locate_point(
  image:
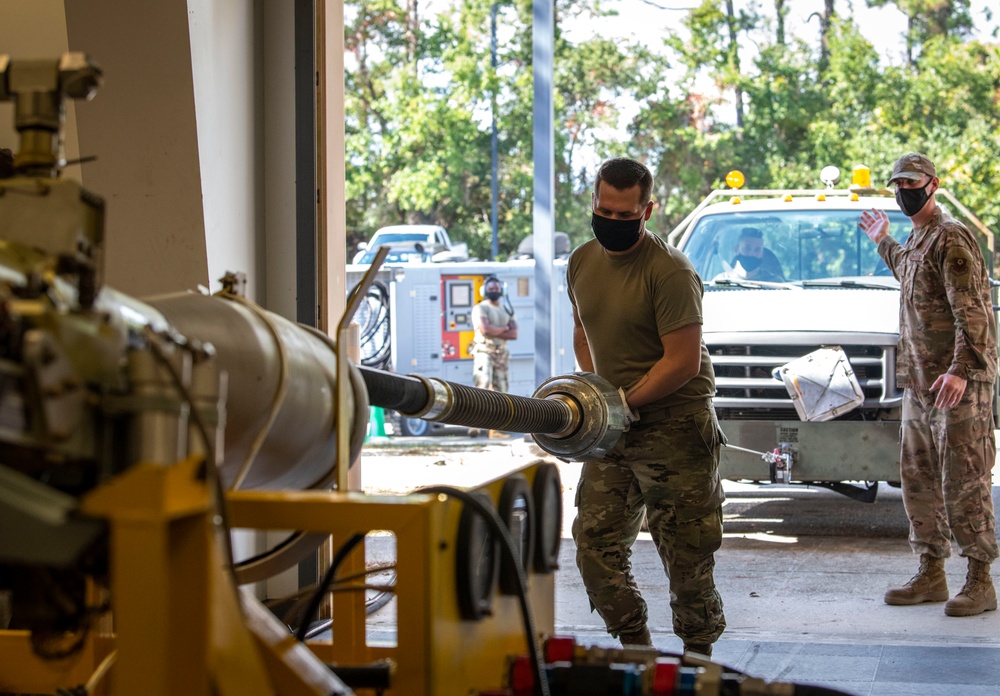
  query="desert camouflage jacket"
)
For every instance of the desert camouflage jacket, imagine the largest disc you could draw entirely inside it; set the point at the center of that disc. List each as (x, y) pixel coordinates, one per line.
(946, 320)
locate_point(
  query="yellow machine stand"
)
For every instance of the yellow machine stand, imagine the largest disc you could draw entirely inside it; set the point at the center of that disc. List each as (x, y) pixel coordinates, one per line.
(181, 626)
(438, 653)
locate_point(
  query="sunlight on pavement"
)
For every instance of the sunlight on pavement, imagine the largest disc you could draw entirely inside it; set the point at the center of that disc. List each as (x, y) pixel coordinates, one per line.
(764, 536)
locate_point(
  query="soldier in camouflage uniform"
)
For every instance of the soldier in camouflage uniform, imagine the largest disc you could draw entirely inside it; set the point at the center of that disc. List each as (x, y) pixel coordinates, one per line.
(637, 313)
(946, 362)
(495, 326)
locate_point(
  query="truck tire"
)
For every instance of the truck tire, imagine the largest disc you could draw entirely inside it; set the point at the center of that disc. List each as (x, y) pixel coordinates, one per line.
(413, 427)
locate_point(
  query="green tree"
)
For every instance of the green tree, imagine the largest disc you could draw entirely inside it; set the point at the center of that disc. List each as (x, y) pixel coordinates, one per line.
(419, 100)
(420, 91)
(927, 19)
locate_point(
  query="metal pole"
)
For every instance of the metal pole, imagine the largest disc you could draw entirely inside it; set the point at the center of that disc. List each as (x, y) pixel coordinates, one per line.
(543, 42)
(494, 181)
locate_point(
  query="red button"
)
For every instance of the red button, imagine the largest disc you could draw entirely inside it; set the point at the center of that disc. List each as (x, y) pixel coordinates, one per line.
(560, 649)
(522, 676)
(665, 675)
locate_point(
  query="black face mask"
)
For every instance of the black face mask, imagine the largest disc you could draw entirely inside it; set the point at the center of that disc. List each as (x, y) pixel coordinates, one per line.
(493, 295)
(749, 263)
(616, 235)
(912, 201)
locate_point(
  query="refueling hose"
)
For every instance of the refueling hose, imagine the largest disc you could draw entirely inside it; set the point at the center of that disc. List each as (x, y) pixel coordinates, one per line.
(458, 404)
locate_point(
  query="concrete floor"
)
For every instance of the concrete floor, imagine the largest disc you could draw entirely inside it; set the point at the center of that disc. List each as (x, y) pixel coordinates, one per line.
(802, 572)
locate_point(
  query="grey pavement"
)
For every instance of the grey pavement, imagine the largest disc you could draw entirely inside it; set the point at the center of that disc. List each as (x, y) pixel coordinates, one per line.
(801, 571)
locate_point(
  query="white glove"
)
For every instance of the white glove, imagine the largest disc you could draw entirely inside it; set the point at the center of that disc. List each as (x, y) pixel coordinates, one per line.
(630, 415)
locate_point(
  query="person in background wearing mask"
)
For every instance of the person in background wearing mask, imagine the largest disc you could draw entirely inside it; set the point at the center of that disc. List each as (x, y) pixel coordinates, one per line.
(494, 326)
(637, 312)
(758, 262)
(946, 360)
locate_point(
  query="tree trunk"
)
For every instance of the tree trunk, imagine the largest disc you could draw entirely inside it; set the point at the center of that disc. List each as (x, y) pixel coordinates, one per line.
(734, 58)
(824, 35)
(412, 33)
(780, 10)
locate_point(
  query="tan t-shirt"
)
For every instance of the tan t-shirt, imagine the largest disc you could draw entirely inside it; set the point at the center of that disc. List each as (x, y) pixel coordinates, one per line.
(627, 302)
(496, 315)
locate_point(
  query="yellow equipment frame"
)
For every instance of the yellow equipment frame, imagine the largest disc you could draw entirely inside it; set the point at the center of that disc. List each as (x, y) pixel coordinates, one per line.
(182, 628)
(437, 652)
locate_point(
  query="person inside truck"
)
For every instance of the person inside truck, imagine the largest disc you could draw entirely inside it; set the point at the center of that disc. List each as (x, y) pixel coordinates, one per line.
(759, 262)
(947, 363)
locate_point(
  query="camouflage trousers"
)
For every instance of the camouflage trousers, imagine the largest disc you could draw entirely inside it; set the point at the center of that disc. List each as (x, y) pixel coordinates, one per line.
(945, 468)
(491, 368)
(670, 471)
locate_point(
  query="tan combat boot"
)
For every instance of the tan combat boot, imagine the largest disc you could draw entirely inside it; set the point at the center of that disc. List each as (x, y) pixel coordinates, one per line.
(928, 585)
(977, 596)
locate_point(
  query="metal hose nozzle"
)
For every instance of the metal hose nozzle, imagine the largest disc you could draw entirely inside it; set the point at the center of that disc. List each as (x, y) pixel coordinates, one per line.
(577, 416)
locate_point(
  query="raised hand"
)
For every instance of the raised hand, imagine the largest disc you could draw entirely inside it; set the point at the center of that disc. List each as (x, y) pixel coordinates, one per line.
(874, 223)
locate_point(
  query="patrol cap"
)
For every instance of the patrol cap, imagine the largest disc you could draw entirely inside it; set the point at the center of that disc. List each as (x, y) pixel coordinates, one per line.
(913, 166)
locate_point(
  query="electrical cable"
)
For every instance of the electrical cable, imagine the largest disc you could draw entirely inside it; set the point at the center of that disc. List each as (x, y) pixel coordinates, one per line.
(95, 678)
(101, 671)
(280, 392)
(298, 599)
(372, 606)
(372, 316)
(507, 305)
(492, 519)
(211, 472)
(325, 583)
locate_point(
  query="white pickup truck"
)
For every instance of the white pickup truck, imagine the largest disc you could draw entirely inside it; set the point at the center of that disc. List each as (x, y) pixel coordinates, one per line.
(825, 286)
(412, 244)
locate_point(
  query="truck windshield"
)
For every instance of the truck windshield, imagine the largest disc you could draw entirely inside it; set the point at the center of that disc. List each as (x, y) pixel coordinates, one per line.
(798, 245)
(405, 255)
(396, 237)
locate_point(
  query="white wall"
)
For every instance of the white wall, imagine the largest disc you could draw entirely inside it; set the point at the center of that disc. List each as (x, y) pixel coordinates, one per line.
(227, 93)
(279, 156)
(141, 125)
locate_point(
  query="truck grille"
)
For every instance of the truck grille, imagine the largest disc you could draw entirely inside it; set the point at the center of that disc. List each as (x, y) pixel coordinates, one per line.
(746, 389)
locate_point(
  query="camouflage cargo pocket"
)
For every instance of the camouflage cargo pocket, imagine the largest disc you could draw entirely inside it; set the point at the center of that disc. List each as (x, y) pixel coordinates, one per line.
(967, 431)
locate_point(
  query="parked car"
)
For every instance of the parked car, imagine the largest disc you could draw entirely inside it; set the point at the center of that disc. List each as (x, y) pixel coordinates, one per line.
(412, 244)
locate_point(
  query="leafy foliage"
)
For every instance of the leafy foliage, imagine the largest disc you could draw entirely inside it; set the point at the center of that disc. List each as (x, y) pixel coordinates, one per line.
(728, 89)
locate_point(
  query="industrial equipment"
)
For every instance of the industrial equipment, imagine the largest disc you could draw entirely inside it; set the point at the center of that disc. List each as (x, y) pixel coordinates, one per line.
(417, 317)
(135, 435)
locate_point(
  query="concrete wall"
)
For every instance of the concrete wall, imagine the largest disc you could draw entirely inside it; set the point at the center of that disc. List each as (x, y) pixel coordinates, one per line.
(193, 130)
(225, 35)
(142, 127)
